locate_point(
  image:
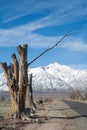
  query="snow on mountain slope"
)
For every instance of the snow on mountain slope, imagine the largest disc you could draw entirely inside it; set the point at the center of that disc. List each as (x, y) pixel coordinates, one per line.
(54, 76)
(3, 85)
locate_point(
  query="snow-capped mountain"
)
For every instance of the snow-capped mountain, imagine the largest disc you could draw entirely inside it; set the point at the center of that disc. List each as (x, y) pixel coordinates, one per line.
(54, 76)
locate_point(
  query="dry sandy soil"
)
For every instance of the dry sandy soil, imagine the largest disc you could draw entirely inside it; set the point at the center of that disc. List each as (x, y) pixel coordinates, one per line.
(52, 113)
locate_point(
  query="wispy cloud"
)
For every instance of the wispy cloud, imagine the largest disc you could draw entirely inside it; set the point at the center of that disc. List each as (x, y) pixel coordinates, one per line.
(61, 13)
(79, 66)
(24, 34)
(75, 44)
(17, 9)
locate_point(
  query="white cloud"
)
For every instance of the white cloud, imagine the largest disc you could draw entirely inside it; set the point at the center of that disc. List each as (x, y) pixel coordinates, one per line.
(79, 66)
(24, 34)
(75, 44)
(63, 12)
(21, 35)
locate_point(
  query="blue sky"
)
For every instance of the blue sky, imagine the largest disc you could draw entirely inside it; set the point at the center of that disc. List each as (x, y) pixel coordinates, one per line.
(40, 24)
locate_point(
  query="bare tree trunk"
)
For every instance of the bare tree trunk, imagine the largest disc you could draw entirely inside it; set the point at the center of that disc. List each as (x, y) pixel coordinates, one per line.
(29, 95)
(10, 83)
(18, 86)
(22, 51)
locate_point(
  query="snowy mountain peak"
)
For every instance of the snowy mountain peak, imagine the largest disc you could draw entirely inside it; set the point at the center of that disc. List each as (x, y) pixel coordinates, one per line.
(54, 76)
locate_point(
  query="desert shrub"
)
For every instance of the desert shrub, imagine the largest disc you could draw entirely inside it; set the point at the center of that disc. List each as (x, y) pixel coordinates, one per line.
(76, 95)
(2, 98)
(85, 95)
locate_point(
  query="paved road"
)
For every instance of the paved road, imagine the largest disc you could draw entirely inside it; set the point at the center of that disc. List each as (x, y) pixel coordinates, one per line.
(81, 108)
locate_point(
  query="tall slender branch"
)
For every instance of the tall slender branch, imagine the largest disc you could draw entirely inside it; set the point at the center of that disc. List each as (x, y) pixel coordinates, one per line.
(68, 33)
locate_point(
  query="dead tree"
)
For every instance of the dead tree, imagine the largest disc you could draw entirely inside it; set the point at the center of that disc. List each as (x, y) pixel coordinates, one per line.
(17, 79)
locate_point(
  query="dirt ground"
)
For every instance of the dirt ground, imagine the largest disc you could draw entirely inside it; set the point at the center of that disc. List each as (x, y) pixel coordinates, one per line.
(51, 114)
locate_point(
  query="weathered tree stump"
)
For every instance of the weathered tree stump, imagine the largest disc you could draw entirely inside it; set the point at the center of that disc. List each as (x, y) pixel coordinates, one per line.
(17, 81)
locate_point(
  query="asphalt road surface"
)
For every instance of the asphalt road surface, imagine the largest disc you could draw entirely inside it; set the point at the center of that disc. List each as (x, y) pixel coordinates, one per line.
(81, 108)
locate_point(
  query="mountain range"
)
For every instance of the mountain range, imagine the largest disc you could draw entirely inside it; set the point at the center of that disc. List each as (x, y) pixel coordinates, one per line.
(54, 77)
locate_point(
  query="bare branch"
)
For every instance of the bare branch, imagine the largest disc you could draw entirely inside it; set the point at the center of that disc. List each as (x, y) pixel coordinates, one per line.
(68, 33)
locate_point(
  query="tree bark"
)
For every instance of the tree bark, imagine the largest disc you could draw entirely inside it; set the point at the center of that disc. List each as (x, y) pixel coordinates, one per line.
(29, 95)
(22, 51)
(15, 71)
(10, 83)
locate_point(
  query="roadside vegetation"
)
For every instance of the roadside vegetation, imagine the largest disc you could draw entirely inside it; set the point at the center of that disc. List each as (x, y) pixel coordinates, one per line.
(76, 94)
